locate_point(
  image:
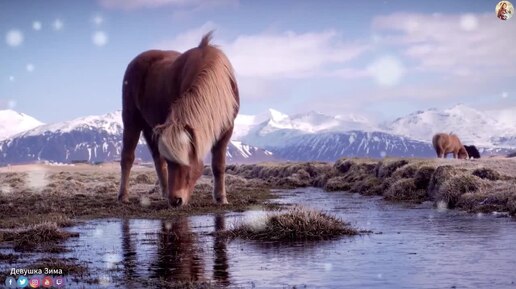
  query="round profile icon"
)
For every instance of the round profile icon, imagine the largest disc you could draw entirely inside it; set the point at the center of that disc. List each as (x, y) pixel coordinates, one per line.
(504, 10)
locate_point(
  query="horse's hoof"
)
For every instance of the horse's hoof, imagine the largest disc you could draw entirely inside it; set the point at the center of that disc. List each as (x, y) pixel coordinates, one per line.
(223, 201)
(175, 202)
(123, 199)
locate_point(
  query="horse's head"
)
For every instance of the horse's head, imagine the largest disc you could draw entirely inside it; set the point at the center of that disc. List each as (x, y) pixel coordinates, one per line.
(463, 153)
(177, 145)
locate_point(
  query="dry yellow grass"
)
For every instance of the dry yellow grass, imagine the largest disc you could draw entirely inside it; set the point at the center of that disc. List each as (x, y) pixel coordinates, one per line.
(296, 224)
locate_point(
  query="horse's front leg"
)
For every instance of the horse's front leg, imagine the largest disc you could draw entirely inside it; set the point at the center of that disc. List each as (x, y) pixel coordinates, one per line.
(131, 135)
(218, 167)
(159, 162)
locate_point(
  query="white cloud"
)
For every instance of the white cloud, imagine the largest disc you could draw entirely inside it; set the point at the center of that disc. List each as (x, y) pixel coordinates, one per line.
(272, 55)
(458, 44)
(188, 39)
(136, 4)
(36, 25)
(14, 38)
(99, 38)
(262, 61)
(289, 54)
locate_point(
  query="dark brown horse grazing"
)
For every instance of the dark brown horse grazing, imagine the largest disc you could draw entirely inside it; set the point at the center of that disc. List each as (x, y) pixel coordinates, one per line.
(185, 104)
(449, 143)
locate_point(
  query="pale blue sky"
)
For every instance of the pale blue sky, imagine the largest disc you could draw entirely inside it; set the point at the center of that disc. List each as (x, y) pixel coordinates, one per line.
(381, 59)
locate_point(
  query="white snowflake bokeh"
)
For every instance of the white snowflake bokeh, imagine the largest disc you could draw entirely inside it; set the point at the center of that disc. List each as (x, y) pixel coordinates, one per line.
(111, 260)
(58, 24)
(505, 94)
(36, 179)
(98, 20)
(256, 219)
(99, 38)
(11, 103)
(11, 78)
(442, 206)
(468, 22)
(36, 25)
(387, 71)
(145, 201)
(14, 38)
(30, 67)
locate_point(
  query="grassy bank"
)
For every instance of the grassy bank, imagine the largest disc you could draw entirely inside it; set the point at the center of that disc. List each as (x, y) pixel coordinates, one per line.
(472, 185)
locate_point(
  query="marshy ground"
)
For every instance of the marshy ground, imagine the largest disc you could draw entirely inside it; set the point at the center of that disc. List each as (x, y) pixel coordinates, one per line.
(39, 202)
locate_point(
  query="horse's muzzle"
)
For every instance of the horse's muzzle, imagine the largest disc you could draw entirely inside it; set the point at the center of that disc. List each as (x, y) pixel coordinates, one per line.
(175, 202)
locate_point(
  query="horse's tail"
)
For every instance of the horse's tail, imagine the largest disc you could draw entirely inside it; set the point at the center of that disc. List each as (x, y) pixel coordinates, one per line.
(204, 111)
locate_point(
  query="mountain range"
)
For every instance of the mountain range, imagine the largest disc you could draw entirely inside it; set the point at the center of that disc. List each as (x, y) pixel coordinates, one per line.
(270, 136)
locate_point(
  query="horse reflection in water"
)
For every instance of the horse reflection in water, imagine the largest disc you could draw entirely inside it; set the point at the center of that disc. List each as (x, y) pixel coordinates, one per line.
(220, 264)
(129, 259)
(179, 254)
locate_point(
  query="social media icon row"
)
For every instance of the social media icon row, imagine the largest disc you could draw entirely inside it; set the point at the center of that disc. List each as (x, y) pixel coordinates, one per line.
(35, 282)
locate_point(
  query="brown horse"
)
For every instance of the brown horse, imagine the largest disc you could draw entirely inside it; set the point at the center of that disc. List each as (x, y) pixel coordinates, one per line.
(449, 143)
(185, 104)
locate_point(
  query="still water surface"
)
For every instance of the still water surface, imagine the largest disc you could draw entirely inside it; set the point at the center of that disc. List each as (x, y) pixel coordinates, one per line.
(412, 246)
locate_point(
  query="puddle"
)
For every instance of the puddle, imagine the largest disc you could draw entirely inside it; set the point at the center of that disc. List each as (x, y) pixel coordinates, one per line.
(411, 247)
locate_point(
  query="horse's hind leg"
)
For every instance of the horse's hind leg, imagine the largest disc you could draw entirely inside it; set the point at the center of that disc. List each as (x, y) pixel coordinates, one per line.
(218, 166)
(159, 162)
(130, 140)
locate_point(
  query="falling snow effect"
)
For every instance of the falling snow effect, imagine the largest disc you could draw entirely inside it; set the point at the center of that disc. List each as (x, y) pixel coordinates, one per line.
(36, 25)
(11, 104)
(387, 71)
(505, 94)
(98, 232)
(5, 189)
(256, 219)
(14, 38)
(11, 78)
(111, 260)
(145, 201)
(105, 280)
(99, 38)
(442, 206)
(98, 20)
(36, 179)
(30, 67)
(58, 24)
(168, 226)
(468, 22)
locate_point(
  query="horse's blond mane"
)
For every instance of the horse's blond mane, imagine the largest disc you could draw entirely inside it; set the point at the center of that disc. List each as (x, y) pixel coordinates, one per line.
(203, 112)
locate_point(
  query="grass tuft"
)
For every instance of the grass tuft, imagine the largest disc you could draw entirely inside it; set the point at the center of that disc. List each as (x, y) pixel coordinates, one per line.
(297, 224)
(485, 173)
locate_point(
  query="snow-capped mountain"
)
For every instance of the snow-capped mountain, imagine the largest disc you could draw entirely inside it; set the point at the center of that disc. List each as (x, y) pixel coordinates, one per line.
(93, 139)
(12, 122)
(275, 128)
(330, 146)
(277, 136)
(315, 136)
(489, 129)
